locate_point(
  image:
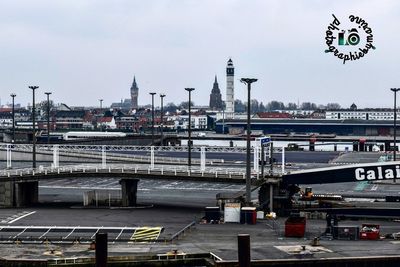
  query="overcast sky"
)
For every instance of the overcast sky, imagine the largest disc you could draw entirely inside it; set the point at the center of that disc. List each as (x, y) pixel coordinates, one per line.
(85, 50)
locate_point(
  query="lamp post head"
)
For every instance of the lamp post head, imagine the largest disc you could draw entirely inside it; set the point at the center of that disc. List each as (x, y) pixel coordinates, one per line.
(395, 89)
(248, 80)
(162, 95)
(152, 94)
(13, 95)
(33, 87)
(47, 93)
(189, 89)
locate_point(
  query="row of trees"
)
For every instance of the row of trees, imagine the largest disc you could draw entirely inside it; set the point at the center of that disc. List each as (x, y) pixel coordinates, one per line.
(276, 105)
(261, 107)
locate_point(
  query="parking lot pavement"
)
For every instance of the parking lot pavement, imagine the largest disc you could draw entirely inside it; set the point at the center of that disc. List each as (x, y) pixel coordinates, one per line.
(267, 237)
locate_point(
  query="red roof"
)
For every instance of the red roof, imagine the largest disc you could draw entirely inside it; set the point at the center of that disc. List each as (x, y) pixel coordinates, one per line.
(105, 119)
(273, 115)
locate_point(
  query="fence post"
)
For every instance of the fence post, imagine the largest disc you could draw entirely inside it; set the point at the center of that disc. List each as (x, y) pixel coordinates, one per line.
(103, 157)
(56, 159)
(152, 157)
(8, 156)
(203, 159)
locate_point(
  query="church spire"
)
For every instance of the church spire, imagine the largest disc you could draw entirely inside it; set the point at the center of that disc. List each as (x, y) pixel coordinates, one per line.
(215, 96)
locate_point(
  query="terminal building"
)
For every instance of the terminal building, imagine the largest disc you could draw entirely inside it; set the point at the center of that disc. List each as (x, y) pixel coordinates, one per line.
(308, 126)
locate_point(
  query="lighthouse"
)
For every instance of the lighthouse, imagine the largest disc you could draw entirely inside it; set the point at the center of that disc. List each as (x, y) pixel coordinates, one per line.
(230, 93)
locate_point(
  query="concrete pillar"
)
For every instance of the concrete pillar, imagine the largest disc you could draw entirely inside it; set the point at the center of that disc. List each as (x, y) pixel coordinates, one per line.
(7, 192)
(26, 193)
(244, 250)
(129, 192)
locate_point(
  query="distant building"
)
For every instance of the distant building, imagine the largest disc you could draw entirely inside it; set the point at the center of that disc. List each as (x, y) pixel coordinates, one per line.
(125, 104)
(215, 97)
(361, 114)
(230, 92)
(134, 94)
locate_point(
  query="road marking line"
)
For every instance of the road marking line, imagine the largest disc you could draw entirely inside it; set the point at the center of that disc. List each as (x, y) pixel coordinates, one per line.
(374, 187)
(22, 216)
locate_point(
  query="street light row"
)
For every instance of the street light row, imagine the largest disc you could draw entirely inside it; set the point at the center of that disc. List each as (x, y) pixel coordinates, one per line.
(13, 95)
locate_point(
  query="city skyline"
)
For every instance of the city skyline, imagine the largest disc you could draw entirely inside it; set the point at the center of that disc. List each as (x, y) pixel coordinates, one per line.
(84, 51)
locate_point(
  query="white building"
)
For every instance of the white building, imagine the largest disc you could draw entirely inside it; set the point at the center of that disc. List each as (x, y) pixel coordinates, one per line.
(381, 114)
(182, 121)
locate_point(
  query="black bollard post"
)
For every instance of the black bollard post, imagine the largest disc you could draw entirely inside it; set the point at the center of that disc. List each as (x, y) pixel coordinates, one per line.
(244, 250)
(101, 250)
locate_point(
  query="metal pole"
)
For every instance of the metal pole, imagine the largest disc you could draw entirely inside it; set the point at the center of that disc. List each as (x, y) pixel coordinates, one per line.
(248, 81)
(162, 119)
(262, 161)
(34, 127)
(152, 118)
(283, 160)
(248, 174)
(394, 130)
(271, 197)
(13, 117)
(48, 116)
(394, 125)
(271, 158)
(190, 129)
(223, 121)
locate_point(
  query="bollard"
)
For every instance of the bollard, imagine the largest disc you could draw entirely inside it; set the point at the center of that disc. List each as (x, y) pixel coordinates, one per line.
(244, 250)
(101, 249)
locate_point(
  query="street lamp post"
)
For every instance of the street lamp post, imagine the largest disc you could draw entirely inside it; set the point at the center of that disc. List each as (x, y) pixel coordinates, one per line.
(162, 118)
(101, 103)
(190, 128)
(152, 118)
(33, 88)
(13, 117)
(248, 81)
(48, 116)
(395, 90)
